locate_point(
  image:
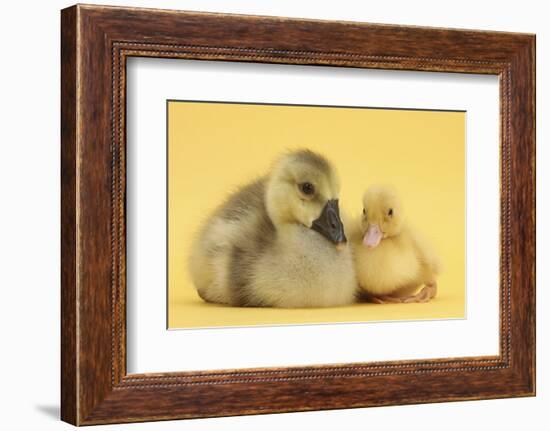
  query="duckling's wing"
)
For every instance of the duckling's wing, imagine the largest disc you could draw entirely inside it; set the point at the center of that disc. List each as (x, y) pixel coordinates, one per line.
(426, 252)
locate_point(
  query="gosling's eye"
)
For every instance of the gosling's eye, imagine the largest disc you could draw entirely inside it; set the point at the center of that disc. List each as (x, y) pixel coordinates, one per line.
(307, 189)
(390, 212)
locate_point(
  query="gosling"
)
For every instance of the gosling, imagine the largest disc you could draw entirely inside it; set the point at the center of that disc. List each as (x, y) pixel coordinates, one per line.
(278, 241)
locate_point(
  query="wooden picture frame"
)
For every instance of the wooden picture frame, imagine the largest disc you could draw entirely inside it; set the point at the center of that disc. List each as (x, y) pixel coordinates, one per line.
(95, 43)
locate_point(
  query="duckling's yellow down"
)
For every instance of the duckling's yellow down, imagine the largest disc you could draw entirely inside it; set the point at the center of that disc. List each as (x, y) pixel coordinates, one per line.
(391, 257)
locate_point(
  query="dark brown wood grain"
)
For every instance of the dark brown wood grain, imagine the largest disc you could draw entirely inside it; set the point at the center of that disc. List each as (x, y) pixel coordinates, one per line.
(68, 217)
(96, 41)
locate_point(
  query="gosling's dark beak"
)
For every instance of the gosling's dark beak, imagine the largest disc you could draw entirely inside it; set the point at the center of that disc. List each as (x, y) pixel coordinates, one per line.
(329, 223)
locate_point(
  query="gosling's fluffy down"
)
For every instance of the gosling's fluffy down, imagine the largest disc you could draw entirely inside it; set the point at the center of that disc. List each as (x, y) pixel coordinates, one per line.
(392, 260)
(258, 248)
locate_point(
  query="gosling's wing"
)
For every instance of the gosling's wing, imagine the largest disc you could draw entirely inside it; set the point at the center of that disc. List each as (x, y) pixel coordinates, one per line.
(252, 232)
(246, 200)
(234, 221)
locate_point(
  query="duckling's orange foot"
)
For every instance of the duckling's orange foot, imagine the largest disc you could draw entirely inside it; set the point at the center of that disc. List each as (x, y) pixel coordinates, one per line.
(385, 299)
(426, 294)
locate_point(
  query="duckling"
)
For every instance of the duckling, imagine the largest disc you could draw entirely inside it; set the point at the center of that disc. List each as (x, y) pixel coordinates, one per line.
(278, 241)
(391, 260)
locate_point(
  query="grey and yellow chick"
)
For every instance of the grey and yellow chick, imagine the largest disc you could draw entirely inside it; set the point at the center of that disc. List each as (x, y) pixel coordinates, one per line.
(393, 262)
(278, 241)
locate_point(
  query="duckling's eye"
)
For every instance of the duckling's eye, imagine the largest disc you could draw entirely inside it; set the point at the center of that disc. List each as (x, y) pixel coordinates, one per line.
(364, 211)
(307, 188)
(390, 212)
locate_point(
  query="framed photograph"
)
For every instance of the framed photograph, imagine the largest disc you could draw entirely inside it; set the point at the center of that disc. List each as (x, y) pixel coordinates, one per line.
(264, 214)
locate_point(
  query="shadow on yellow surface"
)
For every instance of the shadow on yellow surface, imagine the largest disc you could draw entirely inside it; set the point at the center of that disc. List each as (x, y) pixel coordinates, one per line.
(190, 311)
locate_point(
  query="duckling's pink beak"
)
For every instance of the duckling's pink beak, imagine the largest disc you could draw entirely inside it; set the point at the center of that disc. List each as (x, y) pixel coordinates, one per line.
(373, 236)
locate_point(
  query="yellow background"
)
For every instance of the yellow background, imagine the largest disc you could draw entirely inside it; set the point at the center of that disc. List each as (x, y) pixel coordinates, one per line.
(214, 147)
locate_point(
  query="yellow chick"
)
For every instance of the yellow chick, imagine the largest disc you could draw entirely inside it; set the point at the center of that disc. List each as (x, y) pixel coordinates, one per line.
(392, 261)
